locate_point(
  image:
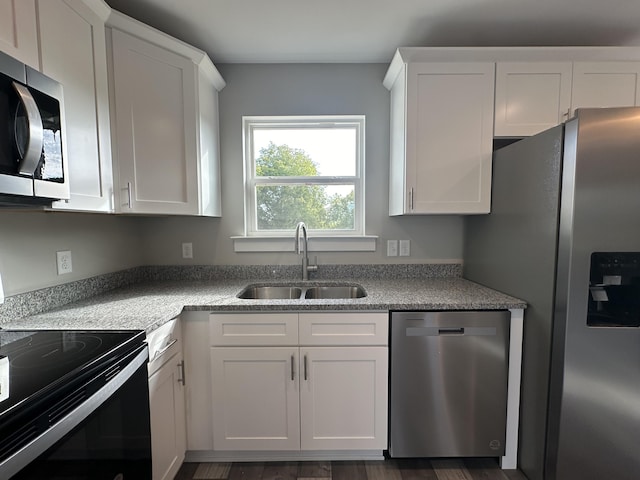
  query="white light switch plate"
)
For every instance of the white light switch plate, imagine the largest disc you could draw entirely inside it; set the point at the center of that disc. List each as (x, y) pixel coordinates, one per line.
(405, 248)
(392, 248)
(187, 250)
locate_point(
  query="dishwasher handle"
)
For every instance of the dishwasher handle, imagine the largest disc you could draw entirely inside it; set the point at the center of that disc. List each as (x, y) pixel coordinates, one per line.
(450, 331)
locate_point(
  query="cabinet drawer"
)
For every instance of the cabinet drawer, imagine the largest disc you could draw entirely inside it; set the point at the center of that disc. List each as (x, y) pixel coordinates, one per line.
(344, 328)
(254, 329)
(164, 342)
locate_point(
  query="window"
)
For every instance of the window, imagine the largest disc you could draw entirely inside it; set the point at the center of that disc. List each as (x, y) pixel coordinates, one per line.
(307, 169)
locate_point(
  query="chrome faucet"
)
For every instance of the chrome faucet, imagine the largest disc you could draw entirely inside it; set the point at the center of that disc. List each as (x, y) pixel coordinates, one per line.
(306, 268)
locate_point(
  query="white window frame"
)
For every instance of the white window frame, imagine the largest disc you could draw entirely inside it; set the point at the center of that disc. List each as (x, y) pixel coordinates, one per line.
(251, 123)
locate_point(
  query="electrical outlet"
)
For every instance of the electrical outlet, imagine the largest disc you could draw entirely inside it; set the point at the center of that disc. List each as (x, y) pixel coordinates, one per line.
(64, 262)
(405, 248)
(392, 248)
(187, 250)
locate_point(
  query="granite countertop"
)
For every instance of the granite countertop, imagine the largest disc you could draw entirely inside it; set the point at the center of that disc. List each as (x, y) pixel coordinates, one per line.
(146, 306)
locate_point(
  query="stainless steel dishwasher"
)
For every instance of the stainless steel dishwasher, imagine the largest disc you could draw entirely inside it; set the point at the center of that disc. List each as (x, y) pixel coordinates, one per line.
(448, 383)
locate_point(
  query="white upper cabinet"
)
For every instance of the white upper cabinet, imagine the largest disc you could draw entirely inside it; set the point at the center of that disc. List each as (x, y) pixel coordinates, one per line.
(533, 94)
(164, 122)
(605, 84)
(18, 30)
(73, 51)
(441, 136)
(531, 97)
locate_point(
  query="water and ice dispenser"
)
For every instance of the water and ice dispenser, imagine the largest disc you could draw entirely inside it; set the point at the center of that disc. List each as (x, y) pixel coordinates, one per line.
(614, 290)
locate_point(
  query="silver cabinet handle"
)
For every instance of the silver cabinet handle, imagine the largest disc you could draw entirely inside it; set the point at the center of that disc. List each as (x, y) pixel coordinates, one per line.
(305, 367)
(129, 194)
(182, 378)
(164, 349)
(33, 152)
(293, 372)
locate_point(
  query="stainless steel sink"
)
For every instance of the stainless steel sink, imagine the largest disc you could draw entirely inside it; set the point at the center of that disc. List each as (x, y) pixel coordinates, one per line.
(336, 291)
(293, 292)
(270, 292)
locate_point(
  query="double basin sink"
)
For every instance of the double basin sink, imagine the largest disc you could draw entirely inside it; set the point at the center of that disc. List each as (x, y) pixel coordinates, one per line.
(299, 292)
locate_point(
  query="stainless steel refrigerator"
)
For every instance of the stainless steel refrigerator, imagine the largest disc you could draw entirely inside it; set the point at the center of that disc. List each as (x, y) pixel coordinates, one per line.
(564, 235)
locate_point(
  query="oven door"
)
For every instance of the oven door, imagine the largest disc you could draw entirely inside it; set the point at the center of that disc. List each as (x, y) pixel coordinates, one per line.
(106, 438)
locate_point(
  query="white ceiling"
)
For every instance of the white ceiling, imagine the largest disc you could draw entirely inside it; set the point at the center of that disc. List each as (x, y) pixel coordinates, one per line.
(355, 31)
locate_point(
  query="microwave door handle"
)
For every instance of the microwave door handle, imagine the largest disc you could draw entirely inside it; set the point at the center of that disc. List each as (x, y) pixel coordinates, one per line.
(33, 152)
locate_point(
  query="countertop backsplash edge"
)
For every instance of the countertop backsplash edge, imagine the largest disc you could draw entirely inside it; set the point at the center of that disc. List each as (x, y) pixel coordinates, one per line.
(44, 299)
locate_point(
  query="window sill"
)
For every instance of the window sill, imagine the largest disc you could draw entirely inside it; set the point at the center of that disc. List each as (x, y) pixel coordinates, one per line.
(360, 243)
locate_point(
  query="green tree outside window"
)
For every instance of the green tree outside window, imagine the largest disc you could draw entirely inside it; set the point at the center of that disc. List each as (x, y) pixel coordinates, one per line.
(281, 206)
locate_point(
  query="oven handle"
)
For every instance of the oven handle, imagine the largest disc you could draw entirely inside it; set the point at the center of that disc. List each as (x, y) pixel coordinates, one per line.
(31, 156)
(42, 443)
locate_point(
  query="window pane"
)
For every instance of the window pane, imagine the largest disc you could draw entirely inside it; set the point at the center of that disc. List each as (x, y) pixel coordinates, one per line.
(321, 207)
(305, 151)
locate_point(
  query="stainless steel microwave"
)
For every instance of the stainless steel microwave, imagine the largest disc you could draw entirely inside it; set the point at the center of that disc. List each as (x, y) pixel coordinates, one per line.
(33, 169)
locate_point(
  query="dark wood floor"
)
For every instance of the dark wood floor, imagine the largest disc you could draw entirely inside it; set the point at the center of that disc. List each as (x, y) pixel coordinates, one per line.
(390, 469)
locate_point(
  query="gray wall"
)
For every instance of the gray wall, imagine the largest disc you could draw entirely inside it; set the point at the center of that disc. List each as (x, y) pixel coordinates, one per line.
(29, 242)
(302, 89)
(108, 243)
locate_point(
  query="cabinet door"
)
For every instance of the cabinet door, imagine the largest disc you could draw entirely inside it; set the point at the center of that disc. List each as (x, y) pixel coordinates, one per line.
(605, 84)
(531, 97)
(155, 124)
(449, 137)
(166, 403)
(72, 44)
(195, 329)
(18, 30)
(255, 398)
(343, 398)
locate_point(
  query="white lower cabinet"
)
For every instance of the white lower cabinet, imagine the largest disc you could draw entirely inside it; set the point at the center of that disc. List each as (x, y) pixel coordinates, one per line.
(255, 398)
(166, 401)
(342, 398)
(302, 396)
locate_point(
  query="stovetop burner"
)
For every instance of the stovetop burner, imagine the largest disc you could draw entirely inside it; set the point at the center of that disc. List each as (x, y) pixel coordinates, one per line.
(54, 353)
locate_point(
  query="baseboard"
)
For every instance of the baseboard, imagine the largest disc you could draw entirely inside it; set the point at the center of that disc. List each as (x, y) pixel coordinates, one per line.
(200, 456)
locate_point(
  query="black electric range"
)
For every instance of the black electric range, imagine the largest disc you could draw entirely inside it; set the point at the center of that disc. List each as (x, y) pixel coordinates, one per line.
(40, 362)
(45, 375)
